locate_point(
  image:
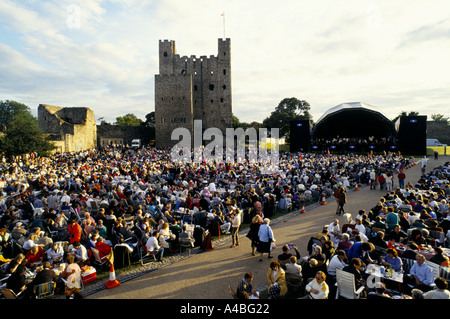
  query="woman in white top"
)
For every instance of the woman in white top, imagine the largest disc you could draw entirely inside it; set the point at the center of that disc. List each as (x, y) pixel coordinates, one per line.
(153, 246)
(72, 276)
(318, 288)
(165, 236)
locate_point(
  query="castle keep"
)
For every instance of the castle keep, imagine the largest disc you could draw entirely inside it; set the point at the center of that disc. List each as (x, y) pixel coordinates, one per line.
(191, 88)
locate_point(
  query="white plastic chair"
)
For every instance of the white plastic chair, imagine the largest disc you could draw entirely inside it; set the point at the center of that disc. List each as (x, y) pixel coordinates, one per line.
(345, 283)
(436, 268)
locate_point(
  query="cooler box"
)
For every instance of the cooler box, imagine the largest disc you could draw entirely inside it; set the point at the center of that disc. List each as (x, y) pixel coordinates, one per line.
(89, 274)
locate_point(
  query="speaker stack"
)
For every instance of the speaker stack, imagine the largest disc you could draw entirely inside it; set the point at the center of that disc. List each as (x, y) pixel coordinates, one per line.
(412, 134)
(300, 136)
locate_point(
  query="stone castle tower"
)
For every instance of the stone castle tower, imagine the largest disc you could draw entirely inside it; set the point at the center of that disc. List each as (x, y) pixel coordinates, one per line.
(191, 88)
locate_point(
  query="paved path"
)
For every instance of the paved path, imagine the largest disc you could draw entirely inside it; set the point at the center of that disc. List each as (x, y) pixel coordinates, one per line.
(207, 275)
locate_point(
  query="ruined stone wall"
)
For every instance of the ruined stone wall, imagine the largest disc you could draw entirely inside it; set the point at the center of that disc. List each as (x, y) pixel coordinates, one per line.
(74, 129)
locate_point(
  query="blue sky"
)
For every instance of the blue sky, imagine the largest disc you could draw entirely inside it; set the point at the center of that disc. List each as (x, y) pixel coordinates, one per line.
(104, 54)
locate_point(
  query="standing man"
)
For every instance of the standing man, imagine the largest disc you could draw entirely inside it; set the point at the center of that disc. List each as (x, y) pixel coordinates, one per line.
(424, 163)
(235, 223)
(373, 179)
(342, 200)
(401, 179)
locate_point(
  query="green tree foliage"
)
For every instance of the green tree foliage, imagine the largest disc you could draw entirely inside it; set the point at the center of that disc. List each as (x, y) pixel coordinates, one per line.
(150, 118)
(128, 120)
(237, 123)
(288, 109)
(20, 130)
(440, 118)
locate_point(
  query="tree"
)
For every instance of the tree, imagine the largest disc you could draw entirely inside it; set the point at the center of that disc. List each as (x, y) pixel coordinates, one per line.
(9, 110)
(150, 118)
(235, 123)
(288, 109)
(128, 120)
(440, 118)
(21, 132)
(404, 113)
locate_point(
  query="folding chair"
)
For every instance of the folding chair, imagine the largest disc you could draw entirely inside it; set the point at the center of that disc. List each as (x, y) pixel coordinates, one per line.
(438, 236)
(407, 264)
(94, 207)
(145, 255)
(186, 243)
(436, 268)
(9, 294)
(294, 282)
(445, 273)
(232, 293)
(45, 290)
(345, 283)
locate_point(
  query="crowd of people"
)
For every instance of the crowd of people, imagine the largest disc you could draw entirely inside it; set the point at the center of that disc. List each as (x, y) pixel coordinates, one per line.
(355, 144)
(91, 202)
(406, 232)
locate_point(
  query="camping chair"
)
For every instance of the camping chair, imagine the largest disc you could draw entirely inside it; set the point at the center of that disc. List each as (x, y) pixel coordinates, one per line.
(186, 243)
(445, 273)
(345, 283)
(232, 293)
(45, 290)
(436, 268)
(94, 207)
(438, 236)
(53, 233)
(294, 282)
(145, 255)
(311, 242)
(9, 294)
(407, 264)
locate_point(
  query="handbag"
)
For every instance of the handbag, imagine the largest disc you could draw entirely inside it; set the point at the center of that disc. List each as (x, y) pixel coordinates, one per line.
(272, 243)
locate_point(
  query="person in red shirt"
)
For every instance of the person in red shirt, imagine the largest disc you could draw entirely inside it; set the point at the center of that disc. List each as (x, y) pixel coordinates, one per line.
(103, 248)
(74, 230)
(34, 256)
(401, 179)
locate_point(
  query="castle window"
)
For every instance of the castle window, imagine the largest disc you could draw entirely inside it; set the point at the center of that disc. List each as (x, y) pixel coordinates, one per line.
(221, 99)
(224, 87)
(224, 71)
(212, 72)
(211, 87)
(183, 72)
(165, 53)
(195, 87)
(212, 101)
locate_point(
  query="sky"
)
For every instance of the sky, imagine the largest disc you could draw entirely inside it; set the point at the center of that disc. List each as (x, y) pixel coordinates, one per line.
(103, 54)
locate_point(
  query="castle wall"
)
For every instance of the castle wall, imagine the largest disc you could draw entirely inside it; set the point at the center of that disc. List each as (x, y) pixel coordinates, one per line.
(210, 85)
(175, 109)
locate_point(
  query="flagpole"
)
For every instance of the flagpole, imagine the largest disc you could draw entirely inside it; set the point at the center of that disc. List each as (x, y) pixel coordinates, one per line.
(223, 15)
